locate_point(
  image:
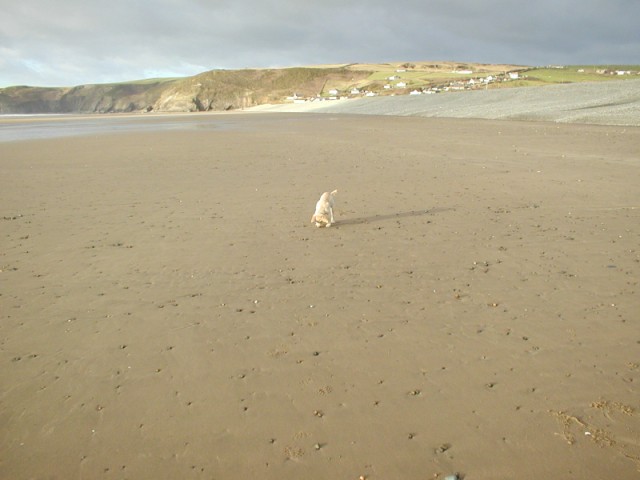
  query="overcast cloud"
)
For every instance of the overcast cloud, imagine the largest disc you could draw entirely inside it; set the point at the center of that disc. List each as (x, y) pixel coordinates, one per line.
(72, 42)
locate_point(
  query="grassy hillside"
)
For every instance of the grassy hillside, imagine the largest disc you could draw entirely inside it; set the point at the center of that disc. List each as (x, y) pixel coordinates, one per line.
(213, 90)
(233, 89)
(576, 74)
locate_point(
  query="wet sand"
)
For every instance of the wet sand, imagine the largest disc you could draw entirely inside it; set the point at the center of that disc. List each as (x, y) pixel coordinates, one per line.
(168, 311)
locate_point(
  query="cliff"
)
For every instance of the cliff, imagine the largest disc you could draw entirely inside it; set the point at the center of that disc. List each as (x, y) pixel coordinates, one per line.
(213, 90)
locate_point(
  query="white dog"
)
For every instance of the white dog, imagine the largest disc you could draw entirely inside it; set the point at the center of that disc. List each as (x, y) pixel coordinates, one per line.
(324, 210)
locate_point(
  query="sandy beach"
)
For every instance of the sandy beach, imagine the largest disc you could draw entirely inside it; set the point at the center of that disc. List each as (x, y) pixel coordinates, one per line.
(168, 311)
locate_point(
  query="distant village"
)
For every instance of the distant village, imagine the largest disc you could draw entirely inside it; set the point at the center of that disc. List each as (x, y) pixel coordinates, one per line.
(397, 85)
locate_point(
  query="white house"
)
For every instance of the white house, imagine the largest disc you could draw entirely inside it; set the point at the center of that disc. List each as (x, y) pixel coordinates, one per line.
(401, 85)
(514, 75)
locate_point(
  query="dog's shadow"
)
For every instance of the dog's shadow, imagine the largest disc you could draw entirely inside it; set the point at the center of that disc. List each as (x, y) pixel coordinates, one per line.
(389, 216)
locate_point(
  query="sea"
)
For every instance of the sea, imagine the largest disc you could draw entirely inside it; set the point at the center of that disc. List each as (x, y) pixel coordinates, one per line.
(36, 127)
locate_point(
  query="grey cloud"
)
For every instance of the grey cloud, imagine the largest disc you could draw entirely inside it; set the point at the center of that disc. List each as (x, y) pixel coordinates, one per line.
(46, 42)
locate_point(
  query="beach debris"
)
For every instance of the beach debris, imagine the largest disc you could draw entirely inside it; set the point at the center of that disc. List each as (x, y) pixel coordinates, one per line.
(443, 448)
(318, 413)
(607, 407)
(293, 452)
(452, 477)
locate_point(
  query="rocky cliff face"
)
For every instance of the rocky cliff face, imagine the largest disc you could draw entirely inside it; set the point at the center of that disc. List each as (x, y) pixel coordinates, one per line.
(81, 99)
(214, 90)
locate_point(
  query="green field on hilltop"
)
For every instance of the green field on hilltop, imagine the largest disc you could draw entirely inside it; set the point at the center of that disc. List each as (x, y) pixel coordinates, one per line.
(412, 76)
(579, 73)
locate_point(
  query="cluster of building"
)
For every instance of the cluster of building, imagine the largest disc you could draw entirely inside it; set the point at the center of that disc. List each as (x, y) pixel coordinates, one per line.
(614, 72)
(467, 84)
(395, 84)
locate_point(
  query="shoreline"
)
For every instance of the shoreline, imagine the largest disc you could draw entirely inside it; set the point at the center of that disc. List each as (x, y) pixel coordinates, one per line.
(611, 103)
(615, 103)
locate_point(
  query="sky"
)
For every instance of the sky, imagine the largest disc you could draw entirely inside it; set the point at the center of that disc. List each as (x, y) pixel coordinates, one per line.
(74, 42)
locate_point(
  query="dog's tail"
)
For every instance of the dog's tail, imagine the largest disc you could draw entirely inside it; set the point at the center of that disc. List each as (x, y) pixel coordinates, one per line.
(334, 192)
